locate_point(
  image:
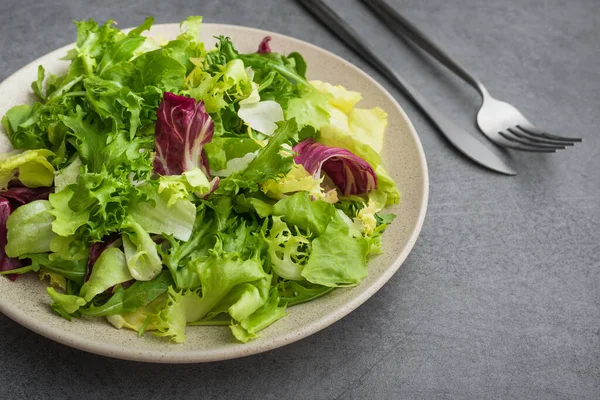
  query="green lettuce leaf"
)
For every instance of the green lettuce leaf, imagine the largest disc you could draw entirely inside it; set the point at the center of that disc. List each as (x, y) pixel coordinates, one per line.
(178, 311)
(109, 270)
(31, 166)
(184, 186)
(38, 85)
(160, 70)
(269, 313)
(310, 110)
(220, 275)
(184, 266)
(123, 49)
(243, 299)
(142, 257)
(301, 211)
(155, 215)
(65, 304)
(67, 221)
(97, 204)
(67, 175)
(360, 131)
(29, 229)
(336, 258)
(222, 149)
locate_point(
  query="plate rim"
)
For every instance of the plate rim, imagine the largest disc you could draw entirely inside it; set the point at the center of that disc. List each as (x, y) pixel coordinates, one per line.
(250, 348)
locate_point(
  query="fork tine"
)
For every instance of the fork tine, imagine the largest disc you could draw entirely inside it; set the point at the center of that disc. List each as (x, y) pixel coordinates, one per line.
(502, 141)
(537, 139)
(532, 130)
(527, 143)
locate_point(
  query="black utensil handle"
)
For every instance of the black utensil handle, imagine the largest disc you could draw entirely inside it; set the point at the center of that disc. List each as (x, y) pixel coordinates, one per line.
(345, 32)
(404, 28)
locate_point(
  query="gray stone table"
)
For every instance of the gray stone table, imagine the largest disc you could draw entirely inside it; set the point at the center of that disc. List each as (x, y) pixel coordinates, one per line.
(500, 298)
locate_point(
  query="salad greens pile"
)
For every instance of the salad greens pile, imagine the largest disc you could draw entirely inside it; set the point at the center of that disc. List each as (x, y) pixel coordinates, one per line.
(160, 184)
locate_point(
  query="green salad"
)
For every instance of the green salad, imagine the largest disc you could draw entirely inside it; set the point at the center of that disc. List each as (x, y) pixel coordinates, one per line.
(161, 184)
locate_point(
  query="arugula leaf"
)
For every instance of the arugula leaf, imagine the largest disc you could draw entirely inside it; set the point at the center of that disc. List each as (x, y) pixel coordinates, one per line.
(37, 85)
(292, 292)
(74, 270)
(269, 162)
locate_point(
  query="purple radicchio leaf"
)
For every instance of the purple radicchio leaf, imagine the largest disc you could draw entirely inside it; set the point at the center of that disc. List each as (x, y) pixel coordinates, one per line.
(6, 263)
(264, 47)
(350, 173)
(23, 195)
(183, 127)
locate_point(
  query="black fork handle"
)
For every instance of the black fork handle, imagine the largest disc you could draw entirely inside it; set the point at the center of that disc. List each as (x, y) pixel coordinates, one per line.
(402, 27)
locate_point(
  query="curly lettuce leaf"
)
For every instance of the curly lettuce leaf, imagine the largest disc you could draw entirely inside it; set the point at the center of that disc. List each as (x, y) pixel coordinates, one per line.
(185, 186)
(216, 88)
(124, 49)
(288, 252)
(96, 205)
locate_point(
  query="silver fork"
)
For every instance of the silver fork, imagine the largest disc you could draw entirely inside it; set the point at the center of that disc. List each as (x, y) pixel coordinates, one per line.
(499, 121)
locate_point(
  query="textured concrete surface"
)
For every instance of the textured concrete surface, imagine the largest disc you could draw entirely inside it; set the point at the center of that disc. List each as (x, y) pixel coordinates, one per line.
(500, 297)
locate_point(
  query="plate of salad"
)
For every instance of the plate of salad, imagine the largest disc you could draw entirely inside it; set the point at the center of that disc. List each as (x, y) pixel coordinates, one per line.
(198, 192)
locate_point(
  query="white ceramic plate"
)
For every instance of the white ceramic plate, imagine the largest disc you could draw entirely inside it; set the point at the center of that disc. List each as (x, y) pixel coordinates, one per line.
(26, 302)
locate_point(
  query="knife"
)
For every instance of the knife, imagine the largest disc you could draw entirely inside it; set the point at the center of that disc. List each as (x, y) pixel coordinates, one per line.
(459, 138)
